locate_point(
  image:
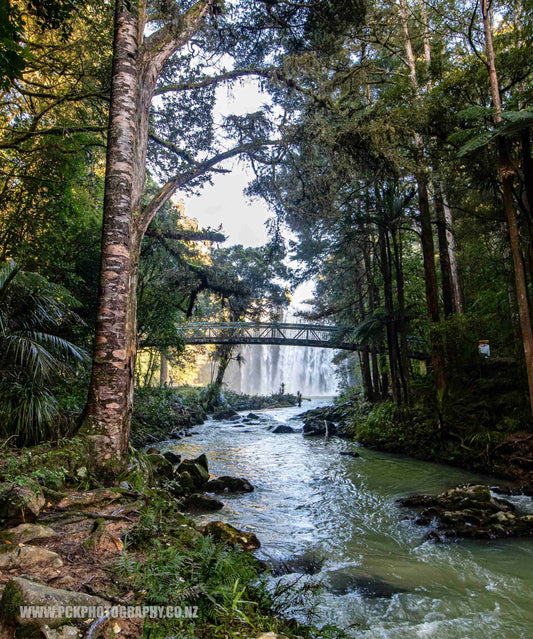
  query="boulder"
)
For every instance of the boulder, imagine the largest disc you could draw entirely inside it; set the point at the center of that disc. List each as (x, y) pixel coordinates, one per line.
(23, 533)
(230, 535)
(306, 564)
(161, 467)
(25, 557)
(316, 427)
(468, 512)
(197, 472)
(336, 417)
(202, 461)
(282, 428)
(253, 416)
(223, 414)
(227, 485)
(201, 503)
(346, 580)
(350, 453)
(172, 457)
(185, 482)
(23, 592)
(20, 504)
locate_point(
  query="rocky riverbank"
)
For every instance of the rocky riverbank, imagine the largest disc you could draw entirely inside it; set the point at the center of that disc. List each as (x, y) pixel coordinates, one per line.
(127, 548)
(463, 512)
(327, 421)
(163, 413)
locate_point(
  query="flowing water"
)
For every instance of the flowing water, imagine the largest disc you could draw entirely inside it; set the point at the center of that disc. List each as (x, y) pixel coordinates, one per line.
(381, 580)
(306, 369)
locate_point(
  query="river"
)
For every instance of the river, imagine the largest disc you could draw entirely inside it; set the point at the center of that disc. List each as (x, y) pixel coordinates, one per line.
(381, 580)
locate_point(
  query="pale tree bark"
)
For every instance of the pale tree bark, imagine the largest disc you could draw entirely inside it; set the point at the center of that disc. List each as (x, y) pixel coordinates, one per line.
(452, 255)
(506, 171)
(163, 370)
(444, 253)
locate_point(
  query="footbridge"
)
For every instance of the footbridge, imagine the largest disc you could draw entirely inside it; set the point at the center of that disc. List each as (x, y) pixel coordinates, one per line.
(268, 333)
(323, 336)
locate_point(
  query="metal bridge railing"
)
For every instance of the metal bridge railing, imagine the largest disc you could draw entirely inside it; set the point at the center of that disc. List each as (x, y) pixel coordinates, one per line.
(266, 333)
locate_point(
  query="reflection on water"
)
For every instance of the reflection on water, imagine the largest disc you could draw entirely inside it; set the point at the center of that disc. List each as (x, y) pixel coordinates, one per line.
(381, 580)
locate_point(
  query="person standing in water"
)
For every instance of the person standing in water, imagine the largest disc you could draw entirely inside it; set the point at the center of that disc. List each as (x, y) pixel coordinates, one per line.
(299, 399)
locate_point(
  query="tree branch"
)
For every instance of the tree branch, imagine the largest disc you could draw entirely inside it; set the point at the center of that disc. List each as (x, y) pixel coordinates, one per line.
(167, 190)
(179, 29)
(210, 80)
(182, 153)
(188, 235)
(57, 130)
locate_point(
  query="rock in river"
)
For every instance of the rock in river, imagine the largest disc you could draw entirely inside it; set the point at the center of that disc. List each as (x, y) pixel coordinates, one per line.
(231, 535)
(197, 470)
(172, 457)
(222, 414)
(226, 484)
(468, 512)
(316, 427)
(201, 503)
(282, 428)
(346, 580)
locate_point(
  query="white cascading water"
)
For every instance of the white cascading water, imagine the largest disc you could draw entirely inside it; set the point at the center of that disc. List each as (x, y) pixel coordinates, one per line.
(306, 369)
(309, 370)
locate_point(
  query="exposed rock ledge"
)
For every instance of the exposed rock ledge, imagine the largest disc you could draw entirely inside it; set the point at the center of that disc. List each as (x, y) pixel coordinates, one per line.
(468, 512)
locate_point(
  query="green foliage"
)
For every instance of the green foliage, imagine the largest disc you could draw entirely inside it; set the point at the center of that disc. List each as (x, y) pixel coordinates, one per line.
(159, 410)
(33, 355)
(181, 567)
(50, 465)
(486, 405)
(377, 425)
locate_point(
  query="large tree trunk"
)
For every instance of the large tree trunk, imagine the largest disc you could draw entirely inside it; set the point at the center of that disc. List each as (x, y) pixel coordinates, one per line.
(507, 176)
(392, 343)
(452, 253)
(108, 413)
(137, 64)
(430, 278)
(364, 355)
(403, 352)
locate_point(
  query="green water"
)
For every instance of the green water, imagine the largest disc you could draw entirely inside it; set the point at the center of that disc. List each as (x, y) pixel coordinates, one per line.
(381, 580)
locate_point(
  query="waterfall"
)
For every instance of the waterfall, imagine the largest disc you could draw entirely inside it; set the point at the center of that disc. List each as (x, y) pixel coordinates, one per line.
(309, 370)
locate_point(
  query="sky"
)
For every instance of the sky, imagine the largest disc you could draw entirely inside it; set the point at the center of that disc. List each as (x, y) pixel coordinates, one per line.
(223, 202)
(243, 219)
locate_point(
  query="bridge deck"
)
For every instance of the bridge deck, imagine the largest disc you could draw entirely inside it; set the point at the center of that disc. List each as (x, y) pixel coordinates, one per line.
(272, 333)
